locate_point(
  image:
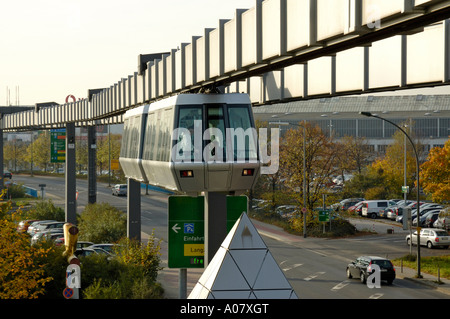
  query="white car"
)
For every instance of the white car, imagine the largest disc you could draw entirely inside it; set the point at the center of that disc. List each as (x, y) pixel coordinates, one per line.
(120, 190)
(431, 238)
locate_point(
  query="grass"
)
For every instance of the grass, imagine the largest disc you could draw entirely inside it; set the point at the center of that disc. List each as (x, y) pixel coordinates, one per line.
(429, 265)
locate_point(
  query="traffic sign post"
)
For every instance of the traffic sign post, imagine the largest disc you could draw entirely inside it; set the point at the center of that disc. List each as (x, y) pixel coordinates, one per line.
(187, 228)
(187, 232)
(324, 216)
(58, 145)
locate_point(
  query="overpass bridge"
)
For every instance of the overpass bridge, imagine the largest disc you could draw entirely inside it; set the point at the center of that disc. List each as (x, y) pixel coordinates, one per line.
(277, 51)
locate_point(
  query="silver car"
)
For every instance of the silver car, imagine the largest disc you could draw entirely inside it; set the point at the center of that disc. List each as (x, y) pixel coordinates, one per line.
(120, 190)
(431, 238)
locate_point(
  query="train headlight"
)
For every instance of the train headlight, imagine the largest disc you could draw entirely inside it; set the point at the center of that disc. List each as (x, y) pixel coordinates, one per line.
(248, 172)
(186, 173)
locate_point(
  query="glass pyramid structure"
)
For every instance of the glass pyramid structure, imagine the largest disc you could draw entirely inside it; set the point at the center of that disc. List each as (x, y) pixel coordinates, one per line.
(243, 268)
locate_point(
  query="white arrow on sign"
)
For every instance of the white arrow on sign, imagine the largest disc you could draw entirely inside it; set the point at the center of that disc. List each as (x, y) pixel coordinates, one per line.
(175, 228)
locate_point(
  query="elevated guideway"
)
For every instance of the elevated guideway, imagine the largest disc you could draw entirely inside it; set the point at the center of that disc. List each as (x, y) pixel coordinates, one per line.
(277, 51)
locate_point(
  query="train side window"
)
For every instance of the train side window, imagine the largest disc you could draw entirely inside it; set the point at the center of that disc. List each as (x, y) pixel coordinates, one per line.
(188, 117)
(149, 140)
(134, 137)
(123, 150)
(164, 135)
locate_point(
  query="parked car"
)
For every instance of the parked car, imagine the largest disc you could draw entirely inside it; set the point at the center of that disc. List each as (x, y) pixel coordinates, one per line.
(423, 215)
(51, 234)
(372, 208)
(83, 252)
(346, 203)
(106, 247)
(357, 208)
(7, 174)
(24, 224)
(431, 218)
(119, 190)
(431, 238)
(286, 211)
(48, 226)
(31, 228)
(443, 219)
(361, 268)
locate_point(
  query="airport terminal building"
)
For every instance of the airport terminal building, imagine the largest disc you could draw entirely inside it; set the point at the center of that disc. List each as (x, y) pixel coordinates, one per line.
(428, 116)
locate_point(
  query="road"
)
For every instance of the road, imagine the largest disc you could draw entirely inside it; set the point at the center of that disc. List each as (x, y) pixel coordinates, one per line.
(314, 267)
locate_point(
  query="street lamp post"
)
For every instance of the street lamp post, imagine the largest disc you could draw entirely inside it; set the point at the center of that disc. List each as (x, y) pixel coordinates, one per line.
(368, 114)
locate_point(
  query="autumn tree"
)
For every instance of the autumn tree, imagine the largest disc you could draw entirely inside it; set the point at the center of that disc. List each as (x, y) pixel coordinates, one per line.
(435, 173)
(108, 148)
(20, 276)
(392, 165)
(38, 152)
(320, 161)
(14, 153)
(353, 155)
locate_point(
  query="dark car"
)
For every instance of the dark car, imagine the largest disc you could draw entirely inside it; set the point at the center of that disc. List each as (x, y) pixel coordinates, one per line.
(361, 268)
(7, 174)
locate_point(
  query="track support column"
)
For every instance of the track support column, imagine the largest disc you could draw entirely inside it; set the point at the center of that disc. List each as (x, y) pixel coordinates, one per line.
(71, 205)
(215, 223)
(92, 155)
(134, 209)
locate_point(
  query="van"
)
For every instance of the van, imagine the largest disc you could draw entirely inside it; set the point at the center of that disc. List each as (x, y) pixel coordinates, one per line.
(371, 208)
(443, 220)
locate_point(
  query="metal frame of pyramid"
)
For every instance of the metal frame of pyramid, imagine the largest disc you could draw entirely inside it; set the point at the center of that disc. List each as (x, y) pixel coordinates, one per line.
(243, 268)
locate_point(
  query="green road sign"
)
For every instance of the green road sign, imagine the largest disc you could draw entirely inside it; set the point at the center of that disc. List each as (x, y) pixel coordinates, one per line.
(187, 228)
(58, 146)
(324, 216)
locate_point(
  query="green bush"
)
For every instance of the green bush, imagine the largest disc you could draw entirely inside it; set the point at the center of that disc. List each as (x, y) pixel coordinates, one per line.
(102, 223)
(46, 210)
(15, 191)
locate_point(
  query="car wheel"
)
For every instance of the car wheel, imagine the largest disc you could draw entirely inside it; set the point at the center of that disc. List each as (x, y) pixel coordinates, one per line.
(429, 245)
(373, 216)
(408, 242)
(362, 277)
(349, 274)
(389, 282)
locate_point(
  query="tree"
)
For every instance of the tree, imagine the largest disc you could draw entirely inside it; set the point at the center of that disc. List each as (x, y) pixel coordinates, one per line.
(101, 222)
(38, 152)
(14, 153)
(21, 277)
(320, 161)
(435, 173)
(108, 148)
(354, 154)
(392, 166)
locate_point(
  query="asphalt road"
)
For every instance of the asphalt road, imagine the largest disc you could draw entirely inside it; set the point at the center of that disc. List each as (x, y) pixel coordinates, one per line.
(314, 267)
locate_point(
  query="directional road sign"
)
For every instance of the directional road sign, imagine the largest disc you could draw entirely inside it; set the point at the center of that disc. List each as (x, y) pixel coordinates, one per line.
(187, 228)
(58, 145)
(324, 216)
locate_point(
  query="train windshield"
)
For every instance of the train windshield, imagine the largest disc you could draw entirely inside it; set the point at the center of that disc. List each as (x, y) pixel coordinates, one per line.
(214, 134)
(242, 133)
(204, 130)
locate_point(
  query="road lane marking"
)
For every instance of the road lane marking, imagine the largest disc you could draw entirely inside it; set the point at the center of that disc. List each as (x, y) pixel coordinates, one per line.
(376, 296)
(340, 285)
(292, 267)
(314, 276)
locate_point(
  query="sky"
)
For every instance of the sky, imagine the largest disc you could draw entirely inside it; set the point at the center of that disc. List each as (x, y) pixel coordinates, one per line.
(50, 49)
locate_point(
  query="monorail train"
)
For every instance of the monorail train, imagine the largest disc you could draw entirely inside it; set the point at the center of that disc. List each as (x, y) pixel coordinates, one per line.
(192, 143)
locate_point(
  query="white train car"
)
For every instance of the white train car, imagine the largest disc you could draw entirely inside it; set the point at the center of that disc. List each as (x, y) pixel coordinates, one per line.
(192, 143)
